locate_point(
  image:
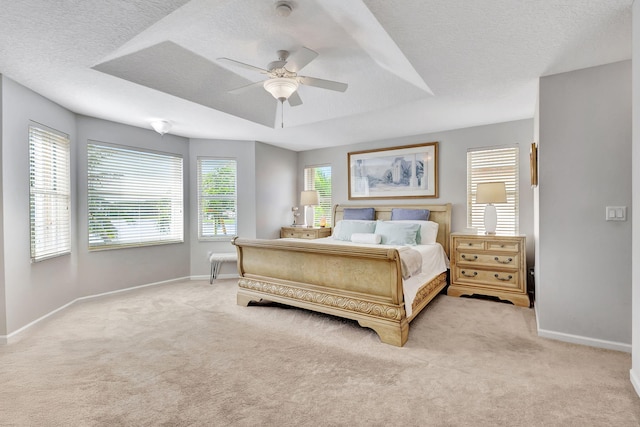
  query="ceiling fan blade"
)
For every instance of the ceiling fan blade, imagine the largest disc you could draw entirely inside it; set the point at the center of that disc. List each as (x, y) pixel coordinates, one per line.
(324, 84)
(300, 58)
(295, 100)
(245, 88)
(243, 65)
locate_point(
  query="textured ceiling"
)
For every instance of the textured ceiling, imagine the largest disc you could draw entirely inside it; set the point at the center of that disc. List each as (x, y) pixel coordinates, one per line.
(412, 66)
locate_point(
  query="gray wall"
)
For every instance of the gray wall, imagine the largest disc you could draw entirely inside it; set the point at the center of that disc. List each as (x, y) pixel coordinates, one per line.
(245, 154)
(452, 167)
(635, 212)
(31, 290)
(584, 262)
(3, 305)
(276, 178)
(35, 290)
(266, 188)
(108, 270)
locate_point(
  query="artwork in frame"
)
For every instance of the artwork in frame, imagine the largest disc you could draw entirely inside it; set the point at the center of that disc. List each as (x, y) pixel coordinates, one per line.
(533, 164)
(409, 171)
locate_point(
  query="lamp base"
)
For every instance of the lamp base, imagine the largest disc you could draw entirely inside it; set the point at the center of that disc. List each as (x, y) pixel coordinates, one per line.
(490, 219)
(308, 216)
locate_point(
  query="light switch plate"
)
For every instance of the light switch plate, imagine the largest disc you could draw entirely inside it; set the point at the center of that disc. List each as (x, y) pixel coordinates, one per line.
(616, 213)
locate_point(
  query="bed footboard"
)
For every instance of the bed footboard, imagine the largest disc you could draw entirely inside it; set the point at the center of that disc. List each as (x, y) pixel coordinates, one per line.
(363, 284)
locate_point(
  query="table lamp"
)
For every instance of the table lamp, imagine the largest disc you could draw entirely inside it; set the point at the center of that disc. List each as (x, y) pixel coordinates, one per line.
(309, 198)
(490, 193)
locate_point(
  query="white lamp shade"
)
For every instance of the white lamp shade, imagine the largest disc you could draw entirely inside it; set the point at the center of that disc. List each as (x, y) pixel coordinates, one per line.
(281, 88)
(309, 198)
(491, 192)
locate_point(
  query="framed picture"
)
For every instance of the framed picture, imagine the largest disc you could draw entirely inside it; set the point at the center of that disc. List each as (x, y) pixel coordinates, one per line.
(410, 171)
(533, 164)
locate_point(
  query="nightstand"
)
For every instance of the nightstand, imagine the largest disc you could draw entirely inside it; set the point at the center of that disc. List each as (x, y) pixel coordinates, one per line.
(305, 232)
(489, 265)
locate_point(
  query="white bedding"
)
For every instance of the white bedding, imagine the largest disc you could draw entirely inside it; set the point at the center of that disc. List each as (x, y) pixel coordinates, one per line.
(434, 262)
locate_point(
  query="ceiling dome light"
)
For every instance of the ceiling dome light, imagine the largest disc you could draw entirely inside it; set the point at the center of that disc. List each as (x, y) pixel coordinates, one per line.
(161, 126)
(281, 87)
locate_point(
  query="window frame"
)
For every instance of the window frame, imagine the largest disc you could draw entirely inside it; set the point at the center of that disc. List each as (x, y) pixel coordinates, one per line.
(505, 157)
(148, 178)
(57, 225)
(200, 196)
(325, 208)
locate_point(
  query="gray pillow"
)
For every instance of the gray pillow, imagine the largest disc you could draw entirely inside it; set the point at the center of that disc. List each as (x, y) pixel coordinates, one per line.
(405, 214)
(367, 214)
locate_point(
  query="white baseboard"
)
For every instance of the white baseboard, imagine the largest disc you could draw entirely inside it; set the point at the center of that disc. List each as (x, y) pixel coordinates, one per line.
(635, 380)
(220, 276)
(12, 337)
(163, 282)
(591, 342)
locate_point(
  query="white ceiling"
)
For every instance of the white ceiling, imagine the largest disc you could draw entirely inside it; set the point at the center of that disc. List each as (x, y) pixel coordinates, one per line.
(413, 66)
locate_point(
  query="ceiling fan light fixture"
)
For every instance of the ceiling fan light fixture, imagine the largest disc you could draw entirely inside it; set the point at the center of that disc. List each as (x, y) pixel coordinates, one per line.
(281, 88)
(161, 126)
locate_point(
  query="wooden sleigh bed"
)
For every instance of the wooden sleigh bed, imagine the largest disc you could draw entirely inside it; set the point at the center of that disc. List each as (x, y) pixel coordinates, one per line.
(363, 283)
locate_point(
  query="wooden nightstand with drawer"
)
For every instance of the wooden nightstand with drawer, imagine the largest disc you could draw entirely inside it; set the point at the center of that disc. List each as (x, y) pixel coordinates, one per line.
(305, 232)
(489, 265)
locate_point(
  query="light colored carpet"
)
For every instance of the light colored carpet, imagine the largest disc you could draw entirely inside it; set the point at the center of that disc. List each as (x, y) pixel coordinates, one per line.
(186, 355)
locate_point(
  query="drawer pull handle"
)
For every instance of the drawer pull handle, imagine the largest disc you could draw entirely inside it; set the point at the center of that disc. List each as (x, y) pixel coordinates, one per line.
(508, 260)
(502, 246)
(464, 257)
(470, 244)
(464, 273)
(502, 278)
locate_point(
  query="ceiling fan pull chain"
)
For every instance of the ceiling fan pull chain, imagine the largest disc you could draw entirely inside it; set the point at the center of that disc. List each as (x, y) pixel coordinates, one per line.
(282, 114)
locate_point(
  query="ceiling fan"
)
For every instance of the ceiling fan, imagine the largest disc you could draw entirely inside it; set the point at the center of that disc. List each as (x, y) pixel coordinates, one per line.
(283, 76)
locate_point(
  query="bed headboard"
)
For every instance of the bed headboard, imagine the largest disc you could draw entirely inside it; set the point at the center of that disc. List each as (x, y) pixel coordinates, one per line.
(439, 213)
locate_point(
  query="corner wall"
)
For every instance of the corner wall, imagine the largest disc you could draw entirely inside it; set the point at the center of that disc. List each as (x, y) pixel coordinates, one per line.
(584, 262)
(276, 178)
(3, 305)
(635, 211)
(34, 290)
(114, 269)
(31, 290)
(245, 154)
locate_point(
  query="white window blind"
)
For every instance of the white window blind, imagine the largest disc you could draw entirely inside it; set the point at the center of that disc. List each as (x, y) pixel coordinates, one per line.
(319, 178)
(135, 197)
(217, 198)
(49, 193)
(491, 165)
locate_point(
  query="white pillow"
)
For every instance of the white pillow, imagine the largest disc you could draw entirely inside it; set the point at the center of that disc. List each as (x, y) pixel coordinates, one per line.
(395, 233)
(345, 228)
(370, 238)
(428, 230)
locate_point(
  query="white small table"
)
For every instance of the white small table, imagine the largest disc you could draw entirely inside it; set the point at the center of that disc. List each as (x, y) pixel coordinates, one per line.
(216, 259)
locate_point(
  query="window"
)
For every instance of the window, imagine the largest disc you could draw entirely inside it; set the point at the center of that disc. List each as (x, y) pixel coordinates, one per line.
(135, 197)
(217, 198)
(49, 193)
(494, 164)
(319, 178)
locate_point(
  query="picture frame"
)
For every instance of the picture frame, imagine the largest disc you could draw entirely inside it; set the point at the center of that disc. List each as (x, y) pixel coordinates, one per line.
(533, 164)
(404, 172)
